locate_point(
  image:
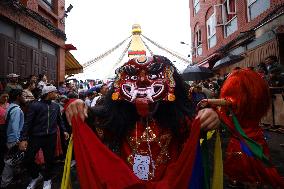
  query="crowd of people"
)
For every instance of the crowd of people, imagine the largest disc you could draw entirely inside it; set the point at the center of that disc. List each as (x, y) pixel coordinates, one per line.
(270, 70)
(33, 126)
(154, 99)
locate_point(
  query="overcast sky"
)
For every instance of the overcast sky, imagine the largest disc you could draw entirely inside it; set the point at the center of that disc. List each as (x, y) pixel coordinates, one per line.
(97, 26)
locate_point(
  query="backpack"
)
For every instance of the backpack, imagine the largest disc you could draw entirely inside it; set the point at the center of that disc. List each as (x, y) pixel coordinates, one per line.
(8, 116)
(14, 155)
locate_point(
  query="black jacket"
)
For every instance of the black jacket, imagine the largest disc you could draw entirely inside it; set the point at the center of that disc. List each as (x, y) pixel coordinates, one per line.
(42, 119)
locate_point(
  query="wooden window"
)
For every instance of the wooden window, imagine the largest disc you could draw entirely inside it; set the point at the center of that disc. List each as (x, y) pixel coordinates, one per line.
(46, 47)
(29, 39)
(7, 29)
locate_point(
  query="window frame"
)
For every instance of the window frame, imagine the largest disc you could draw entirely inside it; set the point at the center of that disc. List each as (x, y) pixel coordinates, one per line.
(48, 48)
(249, 4)
(29, 39)
(196, 3)
(48, 4)
(198, 41)
(213, 34)
(226, 11)
(226, 22)
(228, 6)
(229, 24)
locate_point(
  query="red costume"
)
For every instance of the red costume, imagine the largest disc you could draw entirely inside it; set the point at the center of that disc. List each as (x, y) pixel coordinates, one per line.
(143, 136)
(248, 95)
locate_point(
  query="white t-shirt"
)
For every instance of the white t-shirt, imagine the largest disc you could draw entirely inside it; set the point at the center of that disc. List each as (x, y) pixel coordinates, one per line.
(94, 102)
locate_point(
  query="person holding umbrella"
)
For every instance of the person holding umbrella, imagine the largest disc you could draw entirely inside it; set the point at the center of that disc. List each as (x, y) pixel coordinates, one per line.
(196, 95)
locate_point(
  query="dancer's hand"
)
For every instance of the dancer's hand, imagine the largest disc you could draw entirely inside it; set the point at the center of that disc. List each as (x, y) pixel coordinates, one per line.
(23, 145)
(203, 103)
(75, 108)
(66, 135)
(208, 118)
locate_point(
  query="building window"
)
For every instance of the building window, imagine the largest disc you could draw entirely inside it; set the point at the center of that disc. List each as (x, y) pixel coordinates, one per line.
(29, 39)
(230, 10)
(196, 5)
(227, 16)
(198, 43)
(256, 7)
(231, 27)
(46, 47)
(211, 31)
(230, 16)
(7, 29)
(48, 3)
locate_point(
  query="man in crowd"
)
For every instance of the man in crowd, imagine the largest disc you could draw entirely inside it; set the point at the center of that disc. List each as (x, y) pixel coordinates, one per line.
(40, 131)
(32, 79)
(89, 99)
(15, 120)
(13, 82)
(62, 88)
(102, 93)
(42, 81)
(275, 71)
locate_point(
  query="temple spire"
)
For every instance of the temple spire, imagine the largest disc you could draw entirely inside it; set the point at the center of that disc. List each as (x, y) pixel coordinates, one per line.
(137, 47)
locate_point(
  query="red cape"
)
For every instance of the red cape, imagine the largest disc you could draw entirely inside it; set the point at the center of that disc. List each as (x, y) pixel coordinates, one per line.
(98, 167)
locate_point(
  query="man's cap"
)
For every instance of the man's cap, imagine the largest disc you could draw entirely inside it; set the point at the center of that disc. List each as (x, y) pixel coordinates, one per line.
(48, 89)
(12, 75)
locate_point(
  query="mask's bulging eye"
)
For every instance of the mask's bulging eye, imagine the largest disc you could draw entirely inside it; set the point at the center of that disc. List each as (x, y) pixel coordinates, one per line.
(152, 76)
(134, 77)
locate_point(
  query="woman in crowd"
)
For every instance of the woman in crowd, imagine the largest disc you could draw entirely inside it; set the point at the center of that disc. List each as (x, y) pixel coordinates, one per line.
(3, 108)
(27, 92)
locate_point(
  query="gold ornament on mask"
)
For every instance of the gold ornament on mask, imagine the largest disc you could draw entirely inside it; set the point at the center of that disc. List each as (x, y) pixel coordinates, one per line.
(115, 96)
(171, 97)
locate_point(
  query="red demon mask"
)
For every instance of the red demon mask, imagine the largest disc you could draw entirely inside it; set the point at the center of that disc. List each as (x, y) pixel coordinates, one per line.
(144, 81)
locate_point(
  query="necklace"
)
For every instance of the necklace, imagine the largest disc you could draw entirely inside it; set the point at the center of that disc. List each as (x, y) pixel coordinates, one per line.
(149, 148)
(141, 166)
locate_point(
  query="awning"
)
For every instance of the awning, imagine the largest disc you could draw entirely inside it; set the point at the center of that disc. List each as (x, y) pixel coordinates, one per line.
(228, 60)
(204, 64)
(207, 63)
(72, 66)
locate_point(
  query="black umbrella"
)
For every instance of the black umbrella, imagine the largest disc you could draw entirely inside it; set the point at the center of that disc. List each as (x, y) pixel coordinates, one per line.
(228, 60)
(193, 73)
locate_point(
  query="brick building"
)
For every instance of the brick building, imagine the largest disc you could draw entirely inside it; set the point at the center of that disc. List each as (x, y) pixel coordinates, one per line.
(32, 38)
(243, 32)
